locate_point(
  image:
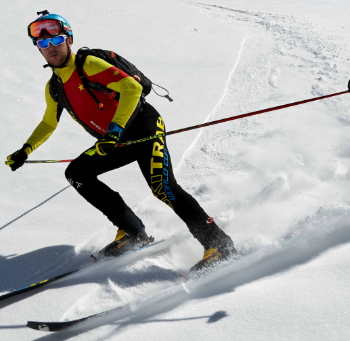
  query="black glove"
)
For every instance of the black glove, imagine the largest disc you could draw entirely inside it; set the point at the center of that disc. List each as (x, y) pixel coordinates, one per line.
(107, 144)
(109, 141)
(16, 160)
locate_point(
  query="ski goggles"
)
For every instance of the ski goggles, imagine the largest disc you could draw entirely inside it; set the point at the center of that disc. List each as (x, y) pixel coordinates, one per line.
(51, 26)
(55, 41)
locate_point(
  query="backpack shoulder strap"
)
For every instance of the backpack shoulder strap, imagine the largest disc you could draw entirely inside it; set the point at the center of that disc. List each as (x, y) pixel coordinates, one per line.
(53, 90)
(79, 63)
(53, 87)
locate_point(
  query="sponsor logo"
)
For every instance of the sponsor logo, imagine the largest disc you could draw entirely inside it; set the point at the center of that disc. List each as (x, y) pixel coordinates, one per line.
(159, 169)
(98, 127)
(43, 327)
(75, 184)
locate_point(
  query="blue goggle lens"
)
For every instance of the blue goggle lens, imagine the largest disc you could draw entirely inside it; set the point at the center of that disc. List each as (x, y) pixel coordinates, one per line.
(44, 43)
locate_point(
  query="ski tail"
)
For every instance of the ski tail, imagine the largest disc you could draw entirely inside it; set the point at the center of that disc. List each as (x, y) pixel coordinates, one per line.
(60, 326)
(34, 286)
(55, 326)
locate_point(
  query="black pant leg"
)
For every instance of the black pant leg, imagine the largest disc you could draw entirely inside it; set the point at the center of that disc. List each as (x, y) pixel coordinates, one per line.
(155, 163)
(82, 175)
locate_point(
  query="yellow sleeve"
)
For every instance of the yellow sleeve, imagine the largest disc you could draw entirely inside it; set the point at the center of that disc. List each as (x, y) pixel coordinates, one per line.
(130, 93)
(99, 71)
(48, 124)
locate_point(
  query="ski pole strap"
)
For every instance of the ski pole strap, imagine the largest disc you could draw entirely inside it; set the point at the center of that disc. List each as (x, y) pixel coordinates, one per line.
(166, 96)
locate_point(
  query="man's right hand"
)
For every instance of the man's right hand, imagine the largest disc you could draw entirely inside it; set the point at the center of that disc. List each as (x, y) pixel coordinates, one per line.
(16, 160)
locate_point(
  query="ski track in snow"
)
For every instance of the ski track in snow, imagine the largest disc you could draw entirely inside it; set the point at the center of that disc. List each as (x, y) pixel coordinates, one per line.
(275, 155)
(225, 149)
(194, 143)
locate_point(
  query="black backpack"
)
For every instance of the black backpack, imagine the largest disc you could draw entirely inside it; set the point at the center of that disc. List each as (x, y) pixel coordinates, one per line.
(115, 60)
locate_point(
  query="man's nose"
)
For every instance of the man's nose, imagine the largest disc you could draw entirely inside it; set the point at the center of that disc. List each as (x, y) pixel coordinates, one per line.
(50, 45)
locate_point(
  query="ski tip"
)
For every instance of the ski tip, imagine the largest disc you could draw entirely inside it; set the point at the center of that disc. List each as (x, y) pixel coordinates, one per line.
(38, 326)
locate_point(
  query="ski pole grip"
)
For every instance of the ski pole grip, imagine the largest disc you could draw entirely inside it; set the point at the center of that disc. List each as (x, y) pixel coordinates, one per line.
(349, 85)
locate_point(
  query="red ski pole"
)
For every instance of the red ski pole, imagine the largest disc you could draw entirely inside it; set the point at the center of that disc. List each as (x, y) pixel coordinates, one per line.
(213, 122)
(254, 113)
(47, 161)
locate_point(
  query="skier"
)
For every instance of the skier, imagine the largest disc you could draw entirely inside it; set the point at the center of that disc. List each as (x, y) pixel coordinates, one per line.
(129, 118)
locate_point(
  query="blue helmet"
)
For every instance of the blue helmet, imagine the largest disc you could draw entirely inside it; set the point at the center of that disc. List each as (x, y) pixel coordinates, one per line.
(35, 31)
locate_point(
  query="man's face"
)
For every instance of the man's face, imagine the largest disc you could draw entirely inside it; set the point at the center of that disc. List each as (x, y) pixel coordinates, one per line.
(55, 55)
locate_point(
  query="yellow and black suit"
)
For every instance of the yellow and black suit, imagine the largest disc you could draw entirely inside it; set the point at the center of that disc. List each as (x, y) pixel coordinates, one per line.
(152, 156)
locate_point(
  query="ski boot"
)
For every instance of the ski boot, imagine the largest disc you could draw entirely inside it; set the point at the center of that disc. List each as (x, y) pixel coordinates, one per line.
(213, 256)
(124, 243)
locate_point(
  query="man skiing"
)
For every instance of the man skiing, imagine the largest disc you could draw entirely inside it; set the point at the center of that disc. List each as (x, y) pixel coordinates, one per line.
(125, 118)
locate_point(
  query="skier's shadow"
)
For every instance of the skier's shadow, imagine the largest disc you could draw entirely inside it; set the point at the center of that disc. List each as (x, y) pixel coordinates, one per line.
(122, 278)
(17, 270)
(23, 270)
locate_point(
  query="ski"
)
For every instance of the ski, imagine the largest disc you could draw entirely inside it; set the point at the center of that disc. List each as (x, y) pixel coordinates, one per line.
(53, 279)
(125, 311)
(187, 283)
(60, 326)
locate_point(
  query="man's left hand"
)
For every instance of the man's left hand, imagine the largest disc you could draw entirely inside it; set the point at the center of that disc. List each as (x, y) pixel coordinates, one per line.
(107, 144)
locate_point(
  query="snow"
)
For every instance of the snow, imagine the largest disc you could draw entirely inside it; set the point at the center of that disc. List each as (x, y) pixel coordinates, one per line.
(278, 182)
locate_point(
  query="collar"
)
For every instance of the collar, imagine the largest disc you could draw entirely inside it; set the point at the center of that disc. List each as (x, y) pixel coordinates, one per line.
(65, 72)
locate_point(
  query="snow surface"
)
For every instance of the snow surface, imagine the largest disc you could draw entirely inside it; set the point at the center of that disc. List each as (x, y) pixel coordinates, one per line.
(278, 183)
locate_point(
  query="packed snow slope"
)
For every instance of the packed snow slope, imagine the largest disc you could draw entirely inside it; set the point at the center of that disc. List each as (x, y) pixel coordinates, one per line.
(278, 183)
